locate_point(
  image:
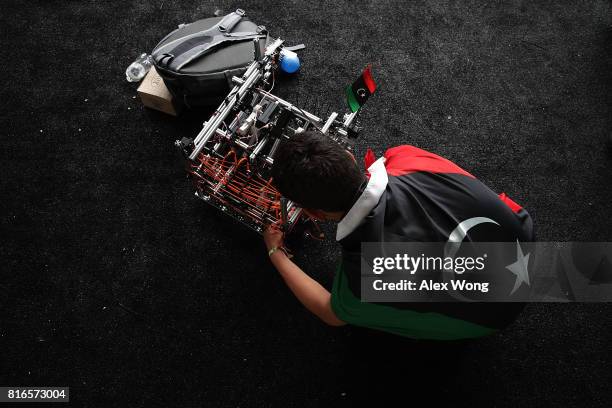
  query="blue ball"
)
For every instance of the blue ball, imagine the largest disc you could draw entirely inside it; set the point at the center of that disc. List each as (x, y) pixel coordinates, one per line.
(289, 61)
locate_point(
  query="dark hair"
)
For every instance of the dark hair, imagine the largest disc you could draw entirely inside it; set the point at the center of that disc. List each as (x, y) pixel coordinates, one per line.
(315, 172)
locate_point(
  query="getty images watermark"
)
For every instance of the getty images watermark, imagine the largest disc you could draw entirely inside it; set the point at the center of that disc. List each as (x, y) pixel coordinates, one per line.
(486, 272)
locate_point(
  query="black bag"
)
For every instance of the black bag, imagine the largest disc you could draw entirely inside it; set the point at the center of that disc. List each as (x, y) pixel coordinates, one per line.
(197, 61)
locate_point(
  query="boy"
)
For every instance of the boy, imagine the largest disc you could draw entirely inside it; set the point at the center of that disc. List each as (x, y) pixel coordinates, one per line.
(408, 195)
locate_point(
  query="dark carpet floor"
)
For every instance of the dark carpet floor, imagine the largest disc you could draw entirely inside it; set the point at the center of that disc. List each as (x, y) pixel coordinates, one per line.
(118, 282)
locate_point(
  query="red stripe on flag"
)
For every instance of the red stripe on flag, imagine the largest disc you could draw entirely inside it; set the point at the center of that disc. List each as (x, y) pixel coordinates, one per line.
(367, 78)
(515, 207)
(369, 159)
(406, 159)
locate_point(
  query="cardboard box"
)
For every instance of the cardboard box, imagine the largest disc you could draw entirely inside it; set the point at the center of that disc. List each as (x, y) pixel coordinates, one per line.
(154, 94)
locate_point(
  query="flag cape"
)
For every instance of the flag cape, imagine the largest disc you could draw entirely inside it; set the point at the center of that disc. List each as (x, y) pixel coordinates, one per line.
(415, 195)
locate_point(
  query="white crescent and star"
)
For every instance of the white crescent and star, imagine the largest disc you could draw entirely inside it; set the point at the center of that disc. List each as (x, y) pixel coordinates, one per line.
(518, 268)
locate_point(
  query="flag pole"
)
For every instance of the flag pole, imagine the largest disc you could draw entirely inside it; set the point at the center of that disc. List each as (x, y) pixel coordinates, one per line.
(350, 118)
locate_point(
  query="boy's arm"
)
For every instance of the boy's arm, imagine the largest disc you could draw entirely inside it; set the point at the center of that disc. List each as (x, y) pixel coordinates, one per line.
(308, 291)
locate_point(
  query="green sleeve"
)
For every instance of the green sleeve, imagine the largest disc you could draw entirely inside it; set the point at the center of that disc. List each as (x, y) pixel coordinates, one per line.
(409, 323)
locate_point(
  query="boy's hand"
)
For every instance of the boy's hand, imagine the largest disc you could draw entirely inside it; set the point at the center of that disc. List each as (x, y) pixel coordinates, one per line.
(273, 237)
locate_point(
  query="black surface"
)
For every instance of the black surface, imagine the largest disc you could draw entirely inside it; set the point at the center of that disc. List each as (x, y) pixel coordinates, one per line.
(117, 282)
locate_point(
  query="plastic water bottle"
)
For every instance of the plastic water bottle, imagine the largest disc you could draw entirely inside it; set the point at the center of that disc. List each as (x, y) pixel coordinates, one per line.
(139, 68)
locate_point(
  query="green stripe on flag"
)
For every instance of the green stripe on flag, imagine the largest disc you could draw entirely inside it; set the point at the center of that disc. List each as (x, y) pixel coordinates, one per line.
(409, 323)
(350, 97)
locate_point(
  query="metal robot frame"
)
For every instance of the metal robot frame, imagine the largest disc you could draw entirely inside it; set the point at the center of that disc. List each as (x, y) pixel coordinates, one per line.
(230, 159)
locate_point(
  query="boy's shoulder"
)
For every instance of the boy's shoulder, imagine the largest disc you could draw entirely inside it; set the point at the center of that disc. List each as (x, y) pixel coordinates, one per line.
(406, 159)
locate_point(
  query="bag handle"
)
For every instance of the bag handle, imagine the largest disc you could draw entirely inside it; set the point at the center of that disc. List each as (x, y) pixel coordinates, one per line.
(229, 21)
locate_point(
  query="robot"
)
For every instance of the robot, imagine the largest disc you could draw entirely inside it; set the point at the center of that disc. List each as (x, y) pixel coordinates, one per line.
(230, 160)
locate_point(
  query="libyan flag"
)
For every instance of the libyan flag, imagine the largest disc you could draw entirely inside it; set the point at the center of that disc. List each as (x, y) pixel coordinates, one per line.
(358, 93)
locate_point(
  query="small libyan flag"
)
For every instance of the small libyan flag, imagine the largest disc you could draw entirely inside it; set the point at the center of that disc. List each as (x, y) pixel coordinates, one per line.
(358, 93)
